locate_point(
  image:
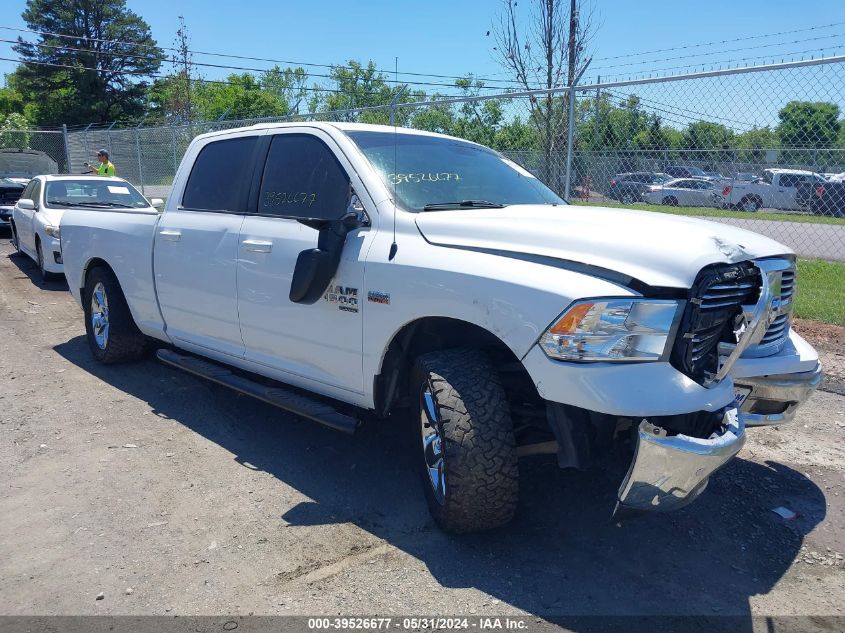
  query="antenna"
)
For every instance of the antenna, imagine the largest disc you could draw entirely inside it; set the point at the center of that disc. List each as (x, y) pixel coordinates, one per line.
(394, 247)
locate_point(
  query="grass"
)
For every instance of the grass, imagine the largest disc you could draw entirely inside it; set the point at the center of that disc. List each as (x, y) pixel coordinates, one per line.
(704, 212)
(821, 291)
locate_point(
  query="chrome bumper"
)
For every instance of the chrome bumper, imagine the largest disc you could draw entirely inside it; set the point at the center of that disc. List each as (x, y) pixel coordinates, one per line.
(668, 472)
(768, 400)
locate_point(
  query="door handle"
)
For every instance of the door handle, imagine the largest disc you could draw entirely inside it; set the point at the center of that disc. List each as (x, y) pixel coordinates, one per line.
(259, 246)
(171, 236)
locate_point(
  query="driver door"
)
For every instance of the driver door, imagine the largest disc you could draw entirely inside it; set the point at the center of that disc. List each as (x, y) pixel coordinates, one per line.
(318, 346)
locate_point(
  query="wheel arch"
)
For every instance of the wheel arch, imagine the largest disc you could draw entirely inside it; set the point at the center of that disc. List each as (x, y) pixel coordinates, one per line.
(99, 262)
(429, 334)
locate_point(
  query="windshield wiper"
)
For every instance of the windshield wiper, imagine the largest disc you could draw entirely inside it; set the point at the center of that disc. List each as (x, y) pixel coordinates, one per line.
(61, 203)
(101, 204)
(463, 204)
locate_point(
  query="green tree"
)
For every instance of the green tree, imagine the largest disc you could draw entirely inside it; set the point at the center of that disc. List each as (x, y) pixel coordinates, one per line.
(65, 91)
(238, 97)
(14, 131)
(708, 135)
(752, 145)
(808, 125)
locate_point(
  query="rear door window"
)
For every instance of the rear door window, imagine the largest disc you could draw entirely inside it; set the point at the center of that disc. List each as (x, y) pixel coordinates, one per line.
(303, 179)
(220, 176)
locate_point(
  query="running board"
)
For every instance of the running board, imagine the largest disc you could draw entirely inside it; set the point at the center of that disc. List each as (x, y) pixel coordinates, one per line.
(277, 396)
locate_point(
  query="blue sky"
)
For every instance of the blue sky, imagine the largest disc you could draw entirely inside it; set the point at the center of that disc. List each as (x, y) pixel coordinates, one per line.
(448, 37)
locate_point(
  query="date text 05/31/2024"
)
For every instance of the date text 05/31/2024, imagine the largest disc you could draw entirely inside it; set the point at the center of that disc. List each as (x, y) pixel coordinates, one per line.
(411, 623)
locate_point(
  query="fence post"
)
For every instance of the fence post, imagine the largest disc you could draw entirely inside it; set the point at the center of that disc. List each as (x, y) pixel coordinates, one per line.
(570, 130)
(67, 149)
(173, 147)
(140, 166)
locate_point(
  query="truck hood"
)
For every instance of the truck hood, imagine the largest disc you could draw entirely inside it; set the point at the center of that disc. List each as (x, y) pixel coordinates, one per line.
(658, 249)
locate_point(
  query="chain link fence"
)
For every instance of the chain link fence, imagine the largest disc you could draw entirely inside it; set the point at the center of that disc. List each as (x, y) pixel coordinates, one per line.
(759, 147)
(22, 151)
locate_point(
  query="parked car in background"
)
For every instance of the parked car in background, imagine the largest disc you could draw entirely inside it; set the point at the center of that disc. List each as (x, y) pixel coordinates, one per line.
(743, 176)
(629, 187)
(10, 192)
(776, 189)
(38, 212)
(685, 192)
(825, 198)
(17, 167)
(685, 171)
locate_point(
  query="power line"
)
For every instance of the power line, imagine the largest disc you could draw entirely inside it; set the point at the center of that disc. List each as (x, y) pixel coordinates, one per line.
(161, 76)
(225, 67)
(679, 109)
(243, 57)
(719, 42)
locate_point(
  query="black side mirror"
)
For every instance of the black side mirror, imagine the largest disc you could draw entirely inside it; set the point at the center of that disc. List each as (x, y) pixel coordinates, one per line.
(315, 267)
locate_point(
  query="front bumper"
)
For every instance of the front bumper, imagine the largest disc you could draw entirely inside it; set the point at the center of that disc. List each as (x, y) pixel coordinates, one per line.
(773, 399)
(668, 472)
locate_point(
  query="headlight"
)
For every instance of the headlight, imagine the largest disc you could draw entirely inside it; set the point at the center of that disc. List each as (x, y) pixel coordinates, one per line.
(52, 231)
(612, 330)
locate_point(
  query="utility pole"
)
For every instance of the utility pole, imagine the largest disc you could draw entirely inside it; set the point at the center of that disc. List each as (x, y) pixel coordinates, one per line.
(573, 41)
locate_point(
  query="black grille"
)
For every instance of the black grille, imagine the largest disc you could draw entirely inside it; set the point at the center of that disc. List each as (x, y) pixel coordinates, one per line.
(709, 318)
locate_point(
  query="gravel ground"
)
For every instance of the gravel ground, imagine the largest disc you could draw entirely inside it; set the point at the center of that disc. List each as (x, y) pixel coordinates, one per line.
(171, 496)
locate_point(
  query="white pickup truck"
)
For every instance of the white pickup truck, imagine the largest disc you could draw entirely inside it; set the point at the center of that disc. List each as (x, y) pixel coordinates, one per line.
(347, 271)
(776, 189)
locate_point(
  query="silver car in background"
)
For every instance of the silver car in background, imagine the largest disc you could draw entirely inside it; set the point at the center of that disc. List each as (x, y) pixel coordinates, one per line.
(686, 192)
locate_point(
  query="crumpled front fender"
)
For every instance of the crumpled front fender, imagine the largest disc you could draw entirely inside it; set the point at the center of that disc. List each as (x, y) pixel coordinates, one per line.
(668, 472)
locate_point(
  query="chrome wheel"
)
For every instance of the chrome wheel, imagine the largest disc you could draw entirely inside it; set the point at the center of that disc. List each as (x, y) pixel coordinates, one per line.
(100, 315)
(749, 205)
(627, 198)
(432, 443)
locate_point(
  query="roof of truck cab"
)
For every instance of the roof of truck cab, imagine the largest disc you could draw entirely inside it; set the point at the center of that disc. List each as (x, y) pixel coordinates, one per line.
(329, 125)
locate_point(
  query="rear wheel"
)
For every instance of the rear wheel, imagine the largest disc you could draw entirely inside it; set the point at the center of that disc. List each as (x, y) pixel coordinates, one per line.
(670, 201)
(749, 203)
(467, 448)
(112, 334)
(628, 198)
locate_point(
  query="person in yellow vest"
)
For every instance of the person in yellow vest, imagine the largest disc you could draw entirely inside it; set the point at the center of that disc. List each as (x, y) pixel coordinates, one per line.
(105, 168)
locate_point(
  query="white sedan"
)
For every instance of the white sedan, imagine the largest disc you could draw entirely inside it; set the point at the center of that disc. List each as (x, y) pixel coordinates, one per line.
(38, 212)
(686, 192)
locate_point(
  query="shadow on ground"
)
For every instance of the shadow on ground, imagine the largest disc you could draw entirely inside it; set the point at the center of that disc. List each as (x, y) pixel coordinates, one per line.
(29, 268)
(561, 557)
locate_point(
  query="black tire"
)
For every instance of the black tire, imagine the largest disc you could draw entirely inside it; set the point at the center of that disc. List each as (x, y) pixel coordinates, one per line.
(45, 275)
(628, 198)
(750, 201)
(670, 201)
(476, 440)
(15, 241)
(123, 341)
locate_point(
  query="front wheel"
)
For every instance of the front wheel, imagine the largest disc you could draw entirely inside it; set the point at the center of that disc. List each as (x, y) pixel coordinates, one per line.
(16, 242)
(111, 331)
(45, 274)
(467, 448)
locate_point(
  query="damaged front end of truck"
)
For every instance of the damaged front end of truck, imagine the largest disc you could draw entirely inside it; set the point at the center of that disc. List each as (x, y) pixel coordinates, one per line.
(736, 319)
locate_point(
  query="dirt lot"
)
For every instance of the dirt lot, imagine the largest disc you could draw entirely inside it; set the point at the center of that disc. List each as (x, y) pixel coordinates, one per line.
(169, 495)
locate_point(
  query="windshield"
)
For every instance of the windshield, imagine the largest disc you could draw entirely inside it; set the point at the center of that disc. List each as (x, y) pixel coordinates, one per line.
(88, 192)
(430, 173)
